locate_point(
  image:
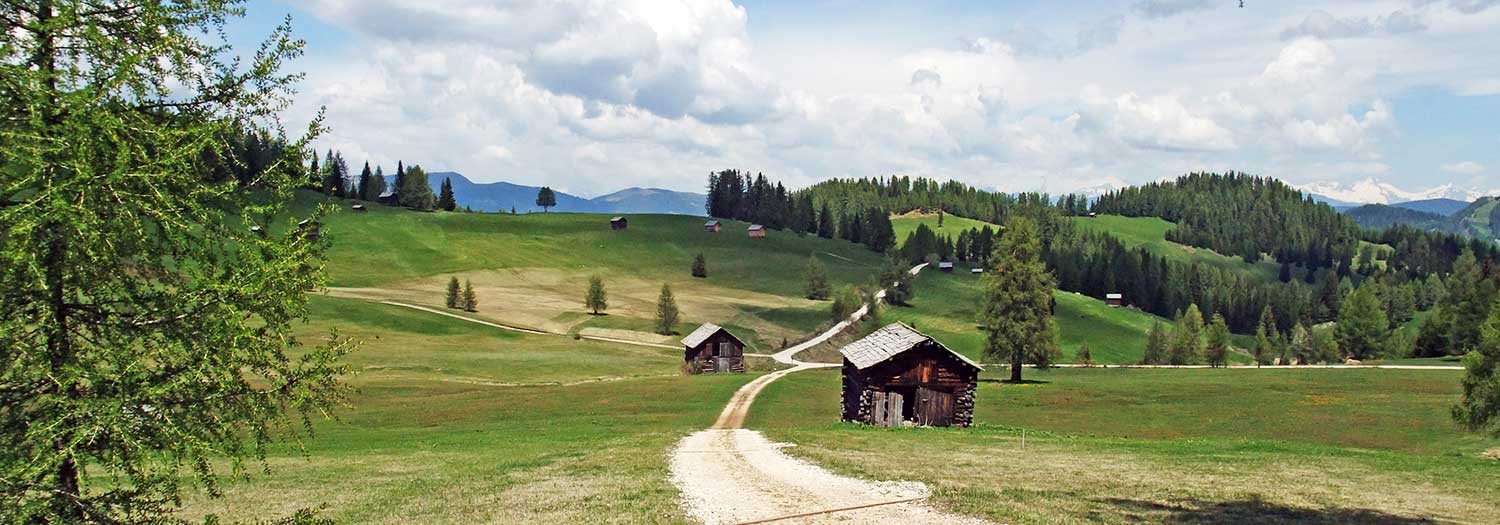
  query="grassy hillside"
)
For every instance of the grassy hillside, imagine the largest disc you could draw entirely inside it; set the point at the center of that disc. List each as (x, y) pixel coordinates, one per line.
(1151, 234)
(946, 305)
(532, 270)
(1169, 446)
(906, 223)
(455, 422)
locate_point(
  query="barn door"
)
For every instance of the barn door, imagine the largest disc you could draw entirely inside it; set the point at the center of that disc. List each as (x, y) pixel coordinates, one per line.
(723, 364)
(888, 408)
(934, 407)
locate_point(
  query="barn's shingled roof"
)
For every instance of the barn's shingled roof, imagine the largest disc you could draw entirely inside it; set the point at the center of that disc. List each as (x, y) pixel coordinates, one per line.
(889, 342)
(701, 334)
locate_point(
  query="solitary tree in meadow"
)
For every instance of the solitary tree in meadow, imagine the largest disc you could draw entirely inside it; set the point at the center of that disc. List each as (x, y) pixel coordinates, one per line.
(546, 198)
(1479, 408)
(452, 298)
(471, 299)
(1300, 346)
(416, 193)
(596, 299)
(1156, 345)
(1362, 324)
(1187, 338)
(146, 330)
(816, 286)
(666, 311)
(1085, 356)
(700, 267)
(1016, 313)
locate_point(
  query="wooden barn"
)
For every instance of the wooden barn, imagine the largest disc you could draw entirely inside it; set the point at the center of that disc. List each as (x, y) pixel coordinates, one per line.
(1114, 300)
(360, 208)
(897, 376)
(711, 349)
(757, 231)
(618, 223)
(711, 226)
(387, 198)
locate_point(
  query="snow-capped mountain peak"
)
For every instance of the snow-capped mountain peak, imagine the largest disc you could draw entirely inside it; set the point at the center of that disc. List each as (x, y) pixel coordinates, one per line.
(1371, 191)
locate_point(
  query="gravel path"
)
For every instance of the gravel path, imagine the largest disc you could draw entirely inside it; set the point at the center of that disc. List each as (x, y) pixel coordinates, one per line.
(731, 475)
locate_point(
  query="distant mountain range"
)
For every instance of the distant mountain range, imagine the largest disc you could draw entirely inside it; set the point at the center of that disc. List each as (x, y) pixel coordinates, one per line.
(1479, 219)
(504, 196)
(1371, 191)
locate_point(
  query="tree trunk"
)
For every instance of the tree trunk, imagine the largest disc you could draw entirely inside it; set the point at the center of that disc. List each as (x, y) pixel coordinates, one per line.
(1015, 366)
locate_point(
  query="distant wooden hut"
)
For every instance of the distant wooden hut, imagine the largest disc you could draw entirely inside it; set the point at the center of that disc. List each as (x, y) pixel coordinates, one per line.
(387, 198)
(945, 266)
(757, 231)
(618, 223)
(358, 208)
(1093, 215)
(711, 226)
(976, 270)
(309, 228)
(898, 375)
(1114, 300)
(711, 349)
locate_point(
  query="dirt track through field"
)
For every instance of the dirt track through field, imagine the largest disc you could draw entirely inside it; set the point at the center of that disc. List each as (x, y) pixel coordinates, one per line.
(728, 474)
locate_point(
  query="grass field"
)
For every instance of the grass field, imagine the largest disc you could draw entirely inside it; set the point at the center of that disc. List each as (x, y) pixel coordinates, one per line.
(1151, 234)
(1203, 446)
(532, 270)
(906, 223)
(946, 304)
(454, 422)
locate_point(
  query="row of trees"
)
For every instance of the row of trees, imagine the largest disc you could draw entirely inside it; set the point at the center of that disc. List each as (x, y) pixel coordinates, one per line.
(738, 196)
(465, 300)
(410, 185)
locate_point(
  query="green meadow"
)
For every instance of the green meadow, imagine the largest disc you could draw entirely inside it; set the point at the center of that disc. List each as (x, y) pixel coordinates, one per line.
(1151, 233)
(952, 225)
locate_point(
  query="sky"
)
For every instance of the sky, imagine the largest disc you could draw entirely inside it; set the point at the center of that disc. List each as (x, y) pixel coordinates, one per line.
(592, 96)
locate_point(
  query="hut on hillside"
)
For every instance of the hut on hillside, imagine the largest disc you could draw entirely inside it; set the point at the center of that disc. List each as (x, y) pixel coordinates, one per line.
(711, 226)
(310, 228)
(897, 376)
(757, 231)
(1093, 215)
(711, 349)
(360, 208)
(976, 270)
(945, 266)
(1114, 300)
(388, 198)
(618, 223)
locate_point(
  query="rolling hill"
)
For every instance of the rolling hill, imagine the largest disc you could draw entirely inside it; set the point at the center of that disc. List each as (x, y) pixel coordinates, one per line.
(1381, 216)
(1444, 207)
(505, 196)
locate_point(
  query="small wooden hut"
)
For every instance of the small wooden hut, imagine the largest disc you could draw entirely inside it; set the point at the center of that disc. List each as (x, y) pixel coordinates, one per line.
(976, 270)
(359, 208)
(898, 375)
(711, 226)
(757, 231)
(946, 266)
(310, 228)
(618, 223)
(388, 198)
(711, 349)
(1114, 300)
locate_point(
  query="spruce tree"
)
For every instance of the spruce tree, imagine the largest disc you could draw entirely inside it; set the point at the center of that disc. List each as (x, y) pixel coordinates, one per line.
(453, 293)
(826, 229)
(417, 192)
(1300, 345)
(445, 196)
(378, 182)
(1218, 342)
(365, 184)
(700, 267)
(596, 299)
(816, 287)
(471, 300)
(1085, 356)
(1016, 313)
(146, 330)
(1479, 408)
(400, 181)
(666, 311)
(1187, 338)
(1325, 344)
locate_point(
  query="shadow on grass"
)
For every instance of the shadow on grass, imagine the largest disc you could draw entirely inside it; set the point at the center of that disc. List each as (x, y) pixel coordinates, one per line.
(1254, 510)
(1021, 382)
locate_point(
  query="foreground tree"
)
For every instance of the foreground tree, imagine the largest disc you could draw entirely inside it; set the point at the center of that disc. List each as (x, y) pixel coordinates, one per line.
(1479, 408)
(1016, 314)
(1362, 324)
(816, 286)
(1218, 342)
(1300, 347)
(1085, 356)
(546, 198)
(145, 327)
(1187, 338)
(666, 311)
(452, 298)
(596, 299)
(897, 282)
(445, 200)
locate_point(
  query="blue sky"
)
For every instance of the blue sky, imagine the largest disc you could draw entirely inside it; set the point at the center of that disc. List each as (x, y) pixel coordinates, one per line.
(593, 95)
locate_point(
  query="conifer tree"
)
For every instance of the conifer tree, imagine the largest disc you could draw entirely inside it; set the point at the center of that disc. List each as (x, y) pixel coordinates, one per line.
(400, 182)
(1187, 338)
(1156, 345)
(445, 196)
(378, 182)
(700, 267)
(453, 293)
(365, 184)
(146, 330)
(1085, 356)
(1300, 345)
(1325, 344)
(471, 300)
(417, 192)
(546, 198)
(666, 311)
(1218, 342)
(816, 287)
(596, 299)
(1362, 324)
(825, 222)
(1479, 408)
(1016, 313)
